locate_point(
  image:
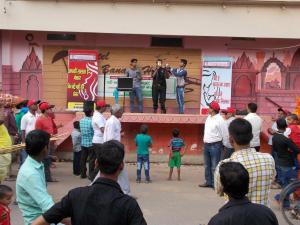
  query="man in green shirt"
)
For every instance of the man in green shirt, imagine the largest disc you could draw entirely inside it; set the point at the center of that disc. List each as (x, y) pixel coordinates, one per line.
(143, 143)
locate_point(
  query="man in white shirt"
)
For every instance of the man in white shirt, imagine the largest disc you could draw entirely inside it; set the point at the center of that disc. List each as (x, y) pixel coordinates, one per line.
(98, 123)
(256, 123)
(28, 124)
(229, 116)
(112, 131)
(212, 143)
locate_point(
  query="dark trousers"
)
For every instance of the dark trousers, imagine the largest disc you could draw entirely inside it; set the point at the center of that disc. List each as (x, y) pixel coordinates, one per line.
(159, 92)
(85, 152)
(257, 148)
(47, 163)
(76, 163)
(92, 158)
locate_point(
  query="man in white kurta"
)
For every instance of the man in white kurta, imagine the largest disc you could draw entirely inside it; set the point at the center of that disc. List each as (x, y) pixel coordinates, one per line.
(112, 131)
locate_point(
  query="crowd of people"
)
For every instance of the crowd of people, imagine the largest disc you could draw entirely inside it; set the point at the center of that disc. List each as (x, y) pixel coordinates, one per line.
(234, 166)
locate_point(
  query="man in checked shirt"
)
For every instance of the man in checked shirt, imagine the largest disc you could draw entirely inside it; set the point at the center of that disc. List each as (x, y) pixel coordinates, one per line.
(260, 166)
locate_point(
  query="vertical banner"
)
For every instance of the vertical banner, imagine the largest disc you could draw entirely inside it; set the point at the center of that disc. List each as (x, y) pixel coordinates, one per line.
(82, 78)
(216, 82)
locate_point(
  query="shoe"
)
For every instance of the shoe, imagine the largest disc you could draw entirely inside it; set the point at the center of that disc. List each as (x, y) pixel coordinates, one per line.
(205, 185)
(155, 111)
(138, 181)
(163, 111)
(83, 177)
(148, 181)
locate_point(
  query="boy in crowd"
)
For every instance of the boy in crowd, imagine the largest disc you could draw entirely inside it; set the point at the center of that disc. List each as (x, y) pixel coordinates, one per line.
(143, 143)
(76, 141)
(239, 209)
(6, 194)
(284, 149)
(176, 146)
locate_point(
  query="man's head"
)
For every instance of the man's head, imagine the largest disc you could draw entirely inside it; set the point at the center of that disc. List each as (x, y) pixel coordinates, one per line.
(183, 63)
(234, 179)
(32, 105)
(101, 106)
(76, 125)
(6, 194)
(292, 119)
(175, 132)
(214, 108)
(45, 107)
(159, 63)
(110, 156)
(88, 112)
(281, 113)
(252, 107)
(117, 111)
(133, 63)
(229, 112)
(281, 124)
(240, 133)
(144, 129)
(37, 142)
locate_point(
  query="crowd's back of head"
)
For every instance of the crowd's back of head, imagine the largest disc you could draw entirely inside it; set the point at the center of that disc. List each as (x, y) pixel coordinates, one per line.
(240, 130)
(36, 141)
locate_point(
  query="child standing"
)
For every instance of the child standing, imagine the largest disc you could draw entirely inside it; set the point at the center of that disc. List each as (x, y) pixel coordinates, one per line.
(143, 143)
(176, 146)
(76, 140)
(6, 194)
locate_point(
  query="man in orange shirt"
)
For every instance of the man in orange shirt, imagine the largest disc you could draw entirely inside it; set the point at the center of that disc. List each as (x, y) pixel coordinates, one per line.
(45, 122)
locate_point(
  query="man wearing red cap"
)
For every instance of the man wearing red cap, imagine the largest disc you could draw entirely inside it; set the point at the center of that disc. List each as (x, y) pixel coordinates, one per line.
(212, 143)
(98, 123)
(45, 123)
(229, 116)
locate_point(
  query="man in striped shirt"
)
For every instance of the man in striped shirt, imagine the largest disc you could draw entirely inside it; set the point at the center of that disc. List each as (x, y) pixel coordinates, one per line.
(260, 166)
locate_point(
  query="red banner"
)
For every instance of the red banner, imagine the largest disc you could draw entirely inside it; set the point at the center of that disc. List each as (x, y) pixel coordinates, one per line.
(82, 78)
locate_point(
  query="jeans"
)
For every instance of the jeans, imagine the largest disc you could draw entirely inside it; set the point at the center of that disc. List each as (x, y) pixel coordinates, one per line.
(212, 155)
(285, 176)
(23, 156)
(226, 153)
(159, 92)
(136, 92)
(76, 163)
(85, 152)
(180, 99)
(275, 157)
(143, 159)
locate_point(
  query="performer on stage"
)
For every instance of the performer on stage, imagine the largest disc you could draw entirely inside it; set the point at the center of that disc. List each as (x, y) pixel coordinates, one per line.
(181, 74)
(134, 72)
(159, 86)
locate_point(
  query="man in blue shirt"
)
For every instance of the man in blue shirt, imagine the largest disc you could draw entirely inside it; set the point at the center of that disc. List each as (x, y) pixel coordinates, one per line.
(87, 134)
(181, 74)
(31, 189)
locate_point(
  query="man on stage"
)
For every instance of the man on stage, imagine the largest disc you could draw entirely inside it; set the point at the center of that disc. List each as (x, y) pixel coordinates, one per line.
(135, 73)
(159, 86)
(181, 74)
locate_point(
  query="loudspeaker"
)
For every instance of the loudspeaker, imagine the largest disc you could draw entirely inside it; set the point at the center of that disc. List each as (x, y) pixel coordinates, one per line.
(125, 83)
(88, 105)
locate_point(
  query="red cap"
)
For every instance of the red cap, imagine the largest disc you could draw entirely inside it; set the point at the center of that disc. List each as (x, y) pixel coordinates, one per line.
(214, 105)
(45, 106)
(101, 103)
(229, 110)
(30, 103)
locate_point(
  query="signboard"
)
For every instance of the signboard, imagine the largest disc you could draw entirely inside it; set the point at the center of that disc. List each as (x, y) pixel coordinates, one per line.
(112, 82)
(216, 82)
(82, 78)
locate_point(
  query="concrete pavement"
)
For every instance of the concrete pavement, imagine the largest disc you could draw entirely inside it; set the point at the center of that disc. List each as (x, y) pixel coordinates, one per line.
(163, 202)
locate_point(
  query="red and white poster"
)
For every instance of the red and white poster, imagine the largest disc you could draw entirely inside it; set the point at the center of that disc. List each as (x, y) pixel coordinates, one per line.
(82, 78)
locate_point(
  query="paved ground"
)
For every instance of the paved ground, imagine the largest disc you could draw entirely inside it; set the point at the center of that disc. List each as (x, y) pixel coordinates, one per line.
(163, 202)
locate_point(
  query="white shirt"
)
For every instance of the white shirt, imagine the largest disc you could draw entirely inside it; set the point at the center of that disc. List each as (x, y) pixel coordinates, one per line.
(98, 122)
(28, 122)
(112, 130)
(274, 127)
(212, 129)
(225, 132)
(256, 123)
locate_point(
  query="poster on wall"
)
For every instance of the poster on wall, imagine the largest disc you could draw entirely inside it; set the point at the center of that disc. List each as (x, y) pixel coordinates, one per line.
(82, 78)
(111, 83)
(216, 82)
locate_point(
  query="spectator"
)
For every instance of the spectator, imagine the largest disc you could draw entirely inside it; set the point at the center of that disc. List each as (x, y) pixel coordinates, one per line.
(102, 203)
(76, 141)
(6, 194)
(239, 209)
(260, 166)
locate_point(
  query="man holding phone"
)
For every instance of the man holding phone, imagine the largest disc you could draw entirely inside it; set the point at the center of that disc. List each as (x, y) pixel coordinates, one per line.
(159, 86)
